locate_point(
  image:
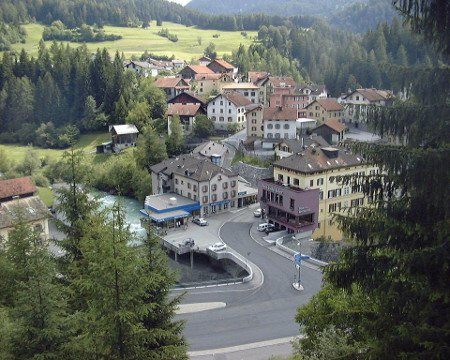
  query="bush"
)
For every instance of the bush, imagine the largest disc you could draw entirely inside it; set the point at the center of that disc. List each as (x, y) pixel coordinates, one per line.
(40, 180)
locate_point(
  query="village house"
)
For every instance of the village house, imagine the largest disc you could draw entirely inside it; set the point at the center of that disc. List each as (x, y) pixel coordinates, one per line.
(280, 123)
(288, 147)
(123, 136)
(18, 200)
(143, 68)
(206, 84)
(357, 102)
(249, 90)
(331, 130)
(290, 208)
(190, 71)
(187, 114)
(254, 115)
(293, 101)
(172, 86)
(277, 85)
(204, 60)
(212, 150)
(317, 168)
(214, 188)
(188, 98)
(228, 109)
(324, 109)
(313, 91)
(220, 66)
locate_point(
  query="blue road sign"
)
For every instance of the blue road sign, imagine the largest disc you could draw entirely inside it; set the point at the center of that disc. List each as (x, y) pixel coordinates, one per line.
(299, 257)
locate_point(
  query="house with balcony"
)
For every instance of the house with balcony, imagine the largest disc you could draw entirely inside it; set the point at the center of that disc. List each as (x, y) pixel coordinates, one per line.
(332, 131)
(318, 168)
(287, 207)
(220, 66)
(123, 136)
(187, 114)
(189, 71)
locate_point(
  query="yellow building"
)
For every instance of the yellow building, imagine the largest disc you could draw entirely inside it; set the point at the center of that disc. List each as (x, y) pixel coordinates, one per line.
(314, 168)
(207, 84)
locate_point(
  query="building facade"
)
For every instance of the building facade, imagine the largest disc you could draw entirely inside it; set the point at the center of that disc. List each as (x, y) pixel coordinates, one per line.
(287, 207)
(317, 168)
(198, 179)
(228, 109)
(248, 90)
(254, 116)
(324, 109)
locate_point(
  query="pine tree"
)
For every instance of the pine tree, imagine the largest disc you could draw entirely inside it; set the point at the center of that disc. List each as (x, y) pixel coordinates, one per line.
(175, 141)
(151, 148)
(401, 252)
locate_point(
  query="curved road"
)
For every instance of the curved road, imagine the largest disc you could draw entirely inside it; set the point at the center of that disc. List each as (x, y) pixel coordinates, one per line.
(252, 314)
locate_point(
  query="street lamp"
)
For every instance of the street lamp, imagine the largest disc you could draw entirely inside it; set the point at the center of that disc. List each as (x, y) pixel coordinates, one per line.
(298, 257)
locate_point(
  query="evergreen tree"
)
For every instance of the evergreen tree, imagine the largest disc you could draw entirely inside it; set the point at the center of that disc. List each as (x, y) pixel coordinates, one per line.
(401, 252)
(139, 115)
(175, 141)
(151, 148)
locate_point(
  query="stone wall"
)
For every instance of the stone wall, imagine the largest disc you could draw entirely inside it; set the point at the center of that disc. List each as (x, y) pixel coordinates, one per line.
(252, 173)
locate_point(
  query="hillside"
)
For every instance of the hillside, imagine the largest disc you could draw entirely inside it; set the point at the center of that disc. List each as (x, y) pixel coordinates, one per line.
(137, 40)
(352, 15)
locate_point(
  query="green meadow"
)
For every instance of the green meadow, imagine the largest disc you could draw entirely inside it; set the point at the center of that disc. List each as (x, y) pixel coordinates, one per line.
(136, 40)
(87, 143)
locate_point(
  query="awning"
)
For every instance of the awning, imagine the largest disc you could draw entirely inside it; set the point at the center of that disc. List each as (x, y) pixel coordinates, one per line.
(167, 216)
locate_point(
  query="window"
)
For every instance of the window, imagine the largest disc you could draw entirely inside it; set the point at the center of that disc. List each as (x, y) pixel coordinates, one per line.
(225, 185)
(269, 126)
(233, 183)
(346, 191)
(245, 93)
(357, 97)
(205, 199)
(182, 182)
(230, 119)
(296, 182)
(221, 111)
(189, 195)
(229, 111)
(233, 193)
(204, 188)
(213, 187)
(213, 118)
(286, 126)
(321, 195)
(311, 183)
(292, 204)
(253, 93)
(270, 136)
(277, 136)
(213, 110)
(195, 197)
(319, 181)
(286, 136)
(225, 195)
(232, 204)
(277, 126)
(334, 207)
(334, 193)
(221, 103)
(221, 118)
(229, 103)
(280, 177)
(194, 188)
(189, 185)
(214, 197)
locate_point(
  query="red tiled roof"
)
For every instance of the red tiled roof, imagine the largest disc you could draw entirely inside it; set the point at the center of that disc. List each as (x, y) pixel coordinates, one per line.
(171, 83)
(236, 98)
(335, 125)
(329, 104)
(371, 94)
(183, 109)
(208, 76)
(200, 69)
(280, 113)
(222, 63)
(16, 187)
(283, 81)
(254, 76)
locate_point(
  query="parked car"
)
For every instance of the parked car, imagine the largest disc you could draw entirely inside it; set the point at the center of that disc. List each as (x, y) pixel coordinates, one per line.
(272, 228)
(257, 212)
(188, 242)
(200, 221)
(263, 226)
(218, 247)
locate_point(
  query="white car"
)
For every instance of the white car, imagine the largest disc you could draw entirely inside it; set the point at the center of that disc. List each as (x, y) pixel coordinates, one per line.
(200, 221)
(257, 212)
(218, 247)
(263, 226)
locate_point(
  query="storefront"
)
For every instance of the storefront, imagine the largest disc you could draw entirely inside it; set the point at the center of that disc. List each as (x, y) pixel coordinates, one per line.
(169, 210)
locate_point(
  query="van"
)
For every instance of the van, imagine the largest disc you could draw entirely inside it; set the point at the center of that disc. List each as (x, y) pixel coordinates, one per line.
(263, 226)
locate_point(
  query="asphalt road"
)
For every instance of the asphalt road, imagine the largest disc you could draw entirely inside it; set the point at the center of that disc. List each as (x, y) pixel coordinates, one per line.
(252, 314)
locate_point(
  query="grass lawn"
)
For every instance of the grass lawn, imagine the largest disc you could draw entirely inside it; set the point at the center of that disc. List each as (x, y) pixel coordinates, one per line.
(46, 195)
(136, 40)
(87, 143)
